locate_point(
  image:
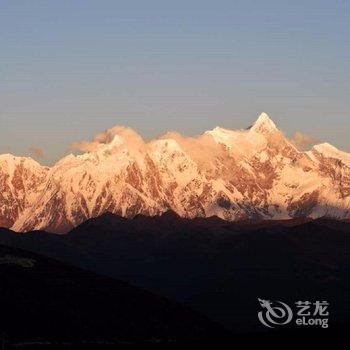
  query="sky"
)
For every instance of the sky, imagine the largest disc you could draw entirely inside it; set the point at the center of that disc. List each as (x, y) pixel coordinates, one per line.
(71, 69)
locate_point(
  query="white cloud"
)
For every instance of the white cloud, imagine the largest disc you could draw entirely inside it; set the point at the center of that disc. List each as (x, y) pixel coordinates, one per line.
(128, 135)
(36, 152)
(303, 141)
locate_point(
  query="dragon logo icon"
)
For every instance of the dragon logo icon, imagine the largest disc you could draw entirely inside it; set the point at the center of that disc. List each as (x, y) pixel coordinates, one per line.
(275, 313)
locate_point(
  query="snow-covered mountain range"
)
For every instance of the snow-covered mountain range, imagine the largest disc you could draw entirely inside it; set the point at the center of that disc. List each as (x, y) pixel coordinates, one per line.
(254, 173)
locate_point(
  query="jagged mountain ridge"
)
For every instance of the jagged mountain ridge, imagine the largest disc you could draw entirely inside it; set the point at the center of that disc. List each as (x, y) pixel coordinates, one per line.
(255, 173)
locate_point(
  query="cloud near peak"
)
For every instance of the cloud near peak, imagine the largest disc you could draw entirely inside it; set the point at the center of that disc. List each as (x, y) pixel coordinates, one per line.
(36, 152)
(199, 147)
(127, 134)
(303, 141)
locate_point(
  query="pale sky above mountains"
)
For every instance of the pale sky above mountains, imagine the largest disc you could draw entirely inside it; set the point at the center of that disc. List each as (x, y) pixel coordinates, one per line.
(69, 70)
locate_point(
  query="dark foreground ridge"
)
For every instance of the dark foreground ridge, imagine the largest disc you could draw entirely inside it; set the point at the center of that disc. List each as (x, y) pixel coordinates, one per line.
(43, 301)
(216, 267)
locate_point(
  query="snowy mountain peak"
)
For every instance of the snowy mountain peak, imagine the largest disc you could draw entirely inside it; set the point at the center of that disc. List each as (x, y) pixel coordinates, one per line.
(232, 174)
(329, 151)
(263, 124)
(117, 140)
(10, 160)
(218, 130)
(219, 133)
(325, 148)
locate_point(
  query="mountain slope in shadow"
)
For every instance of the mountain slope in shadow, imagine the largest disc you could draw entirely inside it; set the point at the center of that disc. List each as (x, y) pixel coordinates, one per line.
(46, 301)
(217, 267)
